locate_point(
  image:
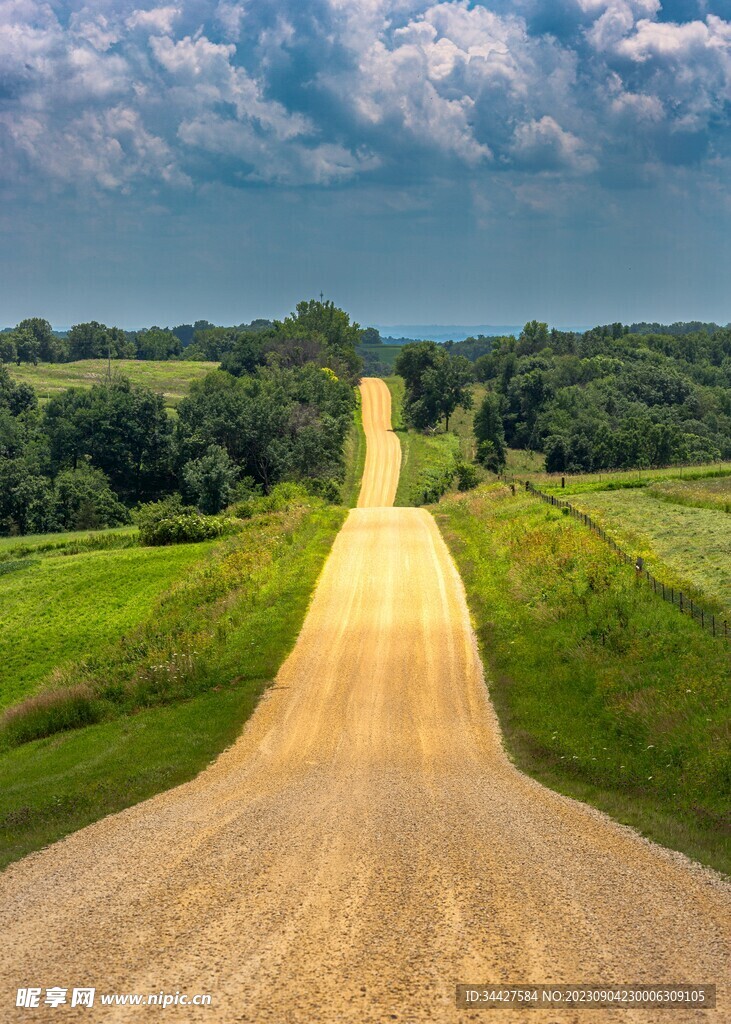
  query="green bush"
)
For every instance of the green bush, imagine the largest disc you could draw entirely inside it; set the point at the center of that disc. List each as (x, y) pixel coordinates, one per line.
(467, 476)
(282, 497)
(170, 522)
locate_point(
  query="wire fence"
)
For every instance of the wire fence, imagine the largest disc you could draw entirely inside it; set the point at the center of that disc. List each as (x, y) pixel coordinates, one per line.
(706, 620)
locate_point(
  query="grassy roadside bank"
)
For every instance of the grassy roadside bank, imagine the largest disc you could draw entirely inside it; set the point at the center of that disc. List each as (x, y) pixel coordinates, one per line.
(604, 692)
(176, 691)
(428, 461)
(355, 454)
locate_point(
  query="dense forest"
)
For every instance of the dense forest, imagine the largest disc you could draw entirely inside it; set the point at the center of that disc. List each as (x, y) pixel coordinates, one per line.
(278, 409)
(608, 398)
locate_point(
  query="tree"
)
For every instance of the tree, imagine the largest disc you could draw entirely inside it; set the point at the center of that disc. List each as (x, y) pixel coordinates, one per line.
(329, 323)
(488, 427)
(436, 382)
(449, 384)
(93, 340)
(209, 481)
(83, 500)
(8, 351)
(370, 336)
(556, 454)
(122, 428)
(27, 346)
(274, 424)
(158, 343)
(48, 345)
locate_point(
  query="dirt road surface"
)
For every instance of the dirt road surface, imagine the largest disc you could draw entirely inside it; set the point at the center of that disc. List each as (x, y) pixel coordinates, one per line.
(365, 845)
(383, 451)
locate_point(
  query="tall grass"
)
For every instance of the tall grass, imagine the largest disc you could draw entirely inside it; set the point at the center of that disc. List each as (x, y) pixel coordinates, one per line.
(603, 690)
(354, 454)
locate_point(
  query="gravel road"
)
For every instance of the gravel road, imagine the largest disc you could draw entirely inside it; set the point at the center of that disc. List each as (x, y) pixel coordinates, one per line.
(366, 844)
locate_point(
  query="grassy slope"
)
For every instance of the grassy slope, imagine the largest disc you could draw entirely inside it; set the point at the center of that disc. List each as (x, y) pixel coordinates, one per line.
(171, 378)
(689, 548)
(603, 691)
(71, 541)
(60, 606)
(425, 458)
(355, 453)
(52, 786)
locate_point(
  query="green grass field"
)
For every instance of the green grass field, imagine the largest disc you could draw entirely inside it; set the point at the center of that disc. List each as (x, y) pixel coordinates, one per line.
(59, 607)
(385, 354)
(611, 480)
(686, 547)
(173, 687)
(170, 378)
(603, 691)
(70, 542)
(714, 493)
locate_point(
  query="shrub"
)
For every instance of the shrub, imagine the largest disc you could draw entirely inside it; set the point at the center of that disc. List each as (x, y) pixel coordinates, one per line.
(326, 488)
(170, 522)
(279, 499)
(467, 476)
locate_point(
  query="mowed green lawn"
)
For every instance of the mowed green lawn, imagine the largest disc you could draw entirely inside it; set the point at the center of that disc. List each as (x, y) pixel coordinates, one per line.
(684, 546)
(170, 378)
(58, 607)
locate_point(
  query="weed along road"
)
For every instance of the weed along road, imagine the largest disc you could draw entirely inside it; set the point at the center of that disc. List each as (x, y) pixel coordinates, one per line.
(365, 845)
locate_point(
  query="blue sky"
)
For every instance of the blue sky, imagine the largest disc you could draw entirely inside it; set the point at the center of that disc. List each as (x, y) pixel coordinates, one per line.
(421, 162)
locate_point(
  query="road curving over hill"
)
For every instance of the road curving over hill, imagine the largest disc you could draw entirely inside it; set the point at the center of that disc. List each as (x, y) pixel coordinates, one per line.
(365, 845)
(383, 448)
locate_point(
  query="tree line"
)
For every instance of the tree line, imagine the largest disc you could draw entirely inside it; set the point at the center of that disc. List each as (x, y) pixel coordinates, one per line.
(606, 398)
(278, 409)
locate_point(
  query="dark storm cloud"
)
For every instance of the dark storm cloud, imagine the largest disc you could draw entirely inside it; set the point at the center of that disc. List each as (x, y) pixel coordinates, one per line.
(432, 113)
(327, 92)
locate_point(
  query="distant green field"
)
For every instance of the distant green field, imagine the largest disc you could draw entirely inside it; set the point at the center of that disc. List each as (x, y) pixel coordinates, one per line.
(615, 479)
(685, 546)
(170, 378)
(386, 354)
(55, 608)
